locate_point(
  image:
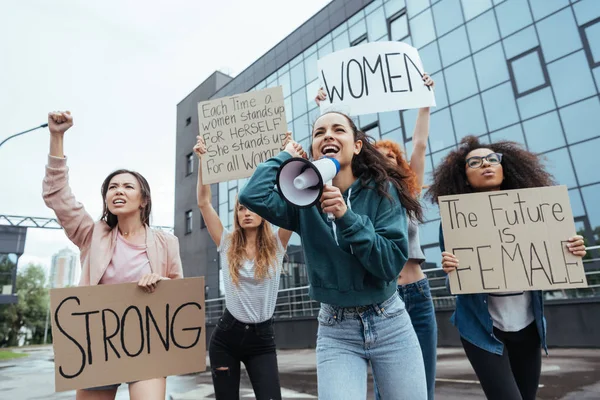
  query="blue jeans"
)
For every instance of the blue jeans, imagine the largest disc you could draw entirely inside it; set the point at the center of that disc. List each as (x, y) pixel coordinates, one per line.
(382, 334)
(417, 297)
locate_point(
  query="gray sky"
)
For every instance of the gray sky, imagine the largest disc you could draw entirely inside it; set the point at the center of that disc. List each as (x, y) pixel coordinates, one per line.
(120, 67)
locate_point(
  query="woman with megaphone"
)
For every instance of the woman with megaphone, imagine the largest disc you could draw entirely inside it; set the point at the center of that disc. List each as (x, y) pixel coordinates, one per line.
(413, 285)
(251, 258)
(352, 262)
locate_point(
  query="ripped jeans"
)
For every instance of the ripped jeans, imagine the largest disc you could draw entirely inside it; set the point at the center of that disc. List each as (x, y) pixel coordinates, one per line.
(233, 342)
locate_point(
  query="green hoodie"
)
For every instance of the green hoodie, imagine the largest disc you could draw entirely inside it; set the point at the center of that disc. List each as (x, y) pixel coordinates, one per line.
(353, 261)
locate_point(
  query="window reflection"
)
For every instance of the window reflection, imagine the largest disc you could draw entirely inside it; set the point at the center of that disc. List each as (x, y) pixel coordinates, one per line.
(468, 117)
(491, 67)
(585, 158)
(430, 57)
(376, 24)
(559, 35)
(520, 42)
(536, 103)
(454, 46)
(544, 133)
(513, 15)
(448, 15)
(591, 194)
(398, 27)
(499, 106)
(512, 133)
(441, 132)
(571, 79)
(581, 120)
(558, 164)
(421, 29)
(460, 80)
(474, 8)
(483, 31)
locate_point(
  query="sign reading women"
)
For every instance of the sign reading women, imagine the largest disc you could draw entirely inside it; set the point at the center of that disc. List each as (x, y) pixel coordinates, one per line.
(374, 77)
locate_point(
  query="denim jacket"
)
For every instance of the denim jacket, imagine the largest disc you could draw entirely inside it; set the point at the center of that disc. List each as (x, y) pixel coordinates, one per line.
(475, 323)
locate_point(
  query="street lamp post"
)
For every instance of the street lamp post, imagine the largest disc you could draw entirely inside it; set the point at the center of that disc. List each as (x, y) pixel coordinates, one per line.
(22, 133)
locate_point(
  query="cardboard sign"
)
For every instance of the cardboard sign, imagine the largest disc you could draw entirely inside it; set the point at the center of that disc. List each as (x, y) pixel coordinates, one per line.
(511, 240)
(110, 334)
(374, 77)
(241, 132)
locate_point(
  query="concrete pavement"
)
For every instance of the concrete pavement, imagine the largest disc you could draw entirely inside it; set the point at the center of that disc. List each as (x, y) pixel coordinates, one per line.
(567, 374)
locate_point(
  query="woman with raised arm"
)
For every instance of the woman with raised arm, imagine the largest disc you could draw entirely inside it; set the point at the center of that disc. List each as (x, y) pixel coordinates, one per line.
(413, 285)
(502, 333)
(352, 262)
(251, 259)
(119, 248)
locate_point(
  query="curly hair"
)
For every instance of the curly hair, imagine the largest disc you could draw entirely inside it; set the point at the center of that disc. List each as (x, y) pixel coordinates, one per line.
(266, 249)
(522, 169)
(370, 165)
(395, 148)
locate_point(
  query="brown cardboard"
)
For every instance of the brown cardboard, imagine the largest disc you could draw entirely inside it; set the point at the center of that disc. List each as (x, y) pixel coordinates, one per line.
(240, 132)
(511, 240)
(83, 316)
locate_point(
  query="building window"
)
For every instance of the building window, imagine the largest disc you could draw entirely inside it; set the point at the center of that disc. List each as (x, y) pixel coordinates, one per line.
(188, 121)
(590, 35)
(359, 40)
(189, 164)
(528, 72)
(398, 29)
(372, 130)
(188, 221)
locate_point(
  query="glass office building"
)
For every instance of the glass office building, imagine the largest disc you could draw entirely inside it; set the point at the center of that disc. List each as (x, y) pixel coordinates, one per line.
(523, 70)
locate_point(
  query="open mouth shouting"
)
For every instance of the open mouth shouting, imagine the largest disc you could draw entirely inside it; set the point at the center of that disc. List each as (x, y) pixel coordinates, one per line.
(330, 150)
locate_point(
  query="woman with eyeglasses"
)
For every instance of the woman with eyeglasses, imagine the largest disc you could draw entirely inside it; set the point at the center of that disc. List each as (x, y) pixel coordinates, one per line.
(502, 333)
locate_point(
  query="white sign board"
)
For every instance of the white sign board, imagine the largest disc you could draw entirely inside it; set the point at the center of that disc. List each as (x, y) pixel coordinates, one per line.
(374, 77)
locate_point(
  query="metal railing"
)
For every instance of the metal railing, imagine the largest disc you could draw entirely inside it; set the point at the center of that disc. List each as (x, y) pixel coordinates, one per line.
(296, 303)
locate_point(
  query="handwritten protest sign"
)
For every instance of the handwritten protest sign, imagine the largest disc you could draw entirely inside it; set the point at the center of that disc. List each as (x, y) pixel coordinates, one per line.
(374, 77)
(511, 240)
(241, 132)
(110, 334)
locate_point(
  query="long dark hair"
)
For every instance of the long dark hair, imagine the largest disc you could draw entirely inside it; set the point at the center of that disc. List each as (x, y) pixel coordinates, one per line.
(522, 169)
(112, 219)
(370, 164)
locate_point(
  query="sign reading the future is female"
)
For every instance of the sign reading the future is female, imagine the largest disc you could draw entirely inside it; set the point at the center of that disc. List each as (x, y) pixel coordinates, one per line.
(374, 77)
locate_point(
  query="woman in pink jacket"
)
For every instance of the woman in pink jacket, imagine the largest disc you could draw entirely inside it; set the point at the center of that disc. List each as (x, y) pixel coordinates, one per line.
(119, 248)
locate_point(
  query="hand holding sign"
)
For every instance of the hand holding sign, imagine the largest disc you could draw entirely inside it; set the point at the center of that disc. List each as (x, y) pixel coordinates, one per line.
(200, 147)
(149, 282)
(576, 246)
(294, 148)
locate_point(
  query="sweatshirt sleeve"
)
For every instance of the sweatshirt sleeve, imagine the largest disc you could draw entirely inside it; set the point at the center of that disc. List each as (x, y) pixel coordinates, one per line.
(71, 214)
(381, 245)
(261, 196)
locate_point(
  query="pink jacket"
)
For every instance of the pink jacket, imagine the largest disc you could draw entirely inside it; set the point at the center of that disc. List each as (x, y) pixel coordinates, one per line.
(96, 240)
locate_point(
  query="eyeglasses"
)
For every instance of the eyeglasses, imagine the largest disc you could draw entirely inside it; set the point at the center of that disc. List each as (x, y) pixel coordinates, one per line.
(477, 161)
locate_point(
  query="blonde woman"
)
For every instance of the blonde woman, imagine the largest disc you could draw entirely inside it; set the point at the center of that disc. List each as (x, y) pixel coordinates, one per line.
(251, 260)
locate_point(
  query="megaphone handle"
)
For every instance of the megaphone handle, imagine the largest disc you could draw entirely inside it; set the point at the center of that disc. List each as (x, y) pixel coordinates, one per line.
(330, 216)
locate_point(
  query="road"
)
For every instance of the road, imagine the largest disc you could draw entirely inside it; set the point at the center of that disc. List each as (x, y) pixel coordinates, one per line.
(567, 374)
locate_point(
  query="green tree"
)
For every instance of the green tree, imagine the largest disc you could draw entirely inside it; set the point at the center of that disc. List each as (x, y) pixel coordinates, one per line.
(30, 310)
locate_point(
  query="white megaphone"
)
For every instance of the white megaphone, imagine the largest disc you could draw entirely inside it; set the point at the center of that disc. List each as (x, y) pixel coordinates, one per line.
(301, 182)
